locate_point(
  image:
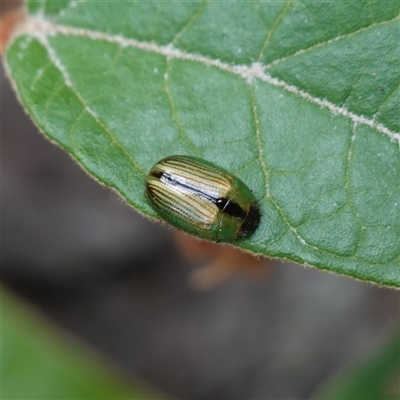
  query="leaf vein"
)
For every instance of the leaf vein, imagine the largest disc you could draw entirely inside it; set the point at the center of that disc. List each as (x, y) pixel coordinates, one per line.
(67, 79)
(41, 28)
(266, 174)
(70, 5)
(174, 113)
(274, 27)
(191, 20)
(390, 95)
(329, 41)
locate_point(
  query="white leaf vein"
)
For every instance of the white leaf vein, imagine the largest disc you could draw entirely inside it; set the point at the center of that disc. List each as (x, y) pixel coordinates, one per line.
(57, 62)
(39, 27)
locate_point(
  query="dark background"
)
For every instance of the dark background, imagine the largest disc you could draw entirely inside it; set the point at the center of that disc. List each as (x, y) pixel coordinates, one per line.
(115, 280)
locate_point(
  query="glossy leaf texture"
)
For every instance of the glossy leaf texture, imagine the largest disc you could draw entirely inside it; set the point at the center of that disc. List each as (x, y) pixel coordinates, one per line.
(299, 99)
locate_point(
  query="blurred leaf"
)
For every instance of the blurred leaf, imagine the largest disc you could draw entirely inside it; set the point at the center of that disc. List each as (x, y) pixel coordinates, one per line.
(38, 363)
(375, 378)
(300, 99)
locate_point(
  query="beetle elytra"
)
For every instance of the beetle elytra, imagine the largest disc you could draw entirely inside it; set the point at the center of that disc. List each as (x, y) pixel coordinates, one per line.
(201, 198)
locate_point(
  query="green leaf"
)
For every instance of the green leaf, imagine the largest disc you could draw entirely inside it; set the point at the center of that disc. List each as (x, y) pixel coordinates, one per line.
(374, 378)
(299, 99)
(37, 362)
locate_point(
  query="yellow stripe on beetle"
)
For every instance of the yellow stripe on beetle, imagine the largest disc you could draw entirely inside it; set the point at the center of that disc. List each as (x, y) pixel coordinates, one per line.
(198, 197)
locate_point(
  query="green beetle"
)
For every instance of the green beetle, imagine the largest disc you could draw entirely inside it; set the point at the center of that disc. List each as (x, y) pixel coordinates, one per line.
(198, 197)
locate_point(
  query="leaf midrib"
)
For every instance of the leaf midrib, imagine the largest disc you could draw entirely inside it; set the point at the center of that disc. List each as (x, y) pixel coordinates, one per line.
(170, 52)
(39, 27)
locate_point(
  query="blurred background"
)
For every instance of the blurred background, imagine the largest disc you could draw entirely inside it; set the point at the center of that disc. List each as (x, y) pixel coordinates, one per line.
(116, 281)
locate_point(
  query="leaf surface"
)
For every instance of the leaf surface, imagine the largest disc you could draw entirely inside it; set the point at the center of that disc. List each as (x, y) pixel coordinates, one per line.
(298, 99)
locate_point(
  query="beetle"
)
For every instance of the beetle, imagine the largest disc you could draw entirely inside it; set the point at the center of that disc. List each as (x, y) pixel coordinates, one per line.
(201, 198)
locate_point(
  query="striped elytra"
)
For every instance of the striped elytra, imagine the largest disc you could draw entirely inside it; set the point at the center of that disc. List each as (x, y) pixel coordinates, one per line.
(198, 197)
